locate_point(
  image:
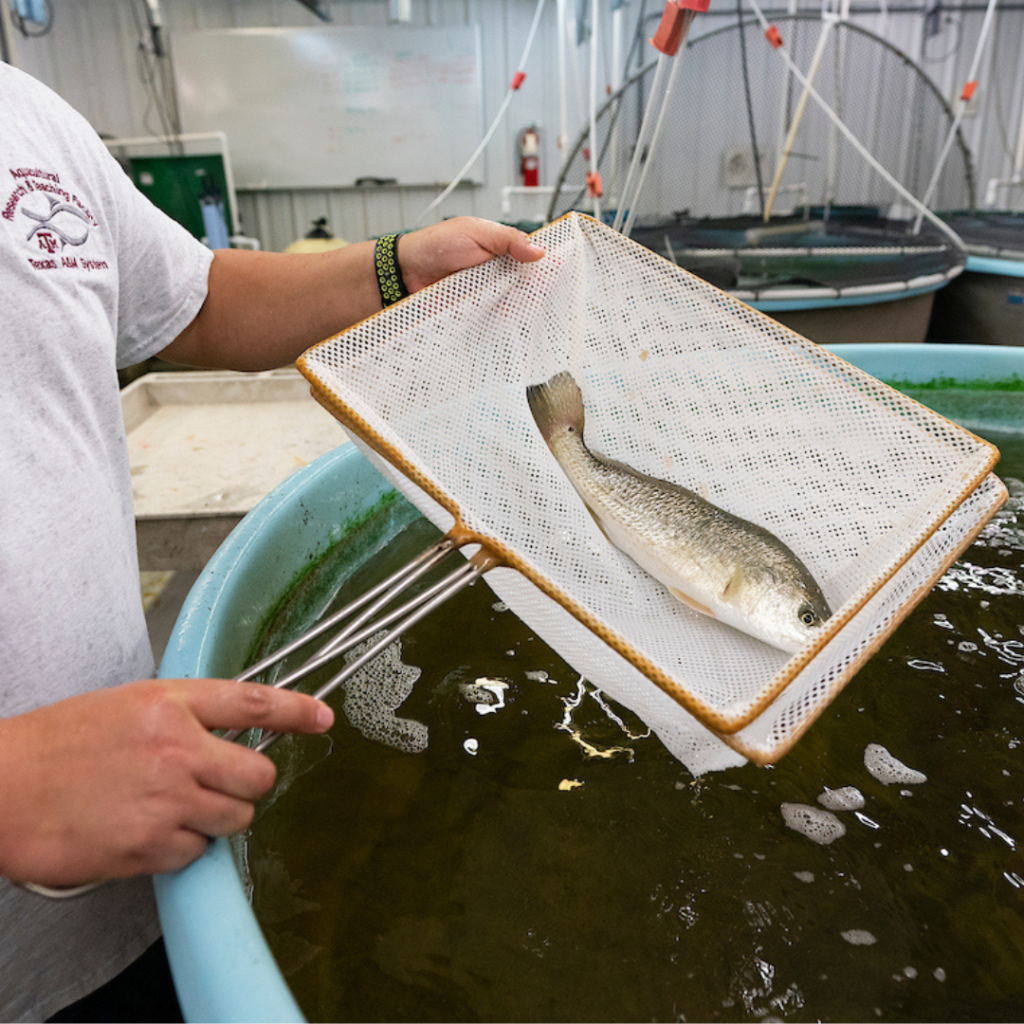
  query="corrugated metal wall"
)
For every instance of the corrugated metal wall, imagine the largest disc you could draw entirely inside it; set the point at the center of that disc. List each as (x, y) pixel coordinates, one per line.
(92, 58)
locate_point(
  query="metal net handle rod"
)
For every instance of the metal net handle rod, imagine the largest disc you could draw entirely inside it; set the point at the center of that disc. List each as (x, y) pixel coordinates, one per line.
(419, 608)
(516, 82)
(389, 588)
(412, 570)
(961, 106)
(852, 139)
(353, 633)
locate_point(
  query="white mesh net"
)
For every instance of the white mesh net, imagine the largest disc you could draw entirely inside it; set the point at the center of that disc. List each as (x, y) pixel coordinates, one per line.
(875, 493)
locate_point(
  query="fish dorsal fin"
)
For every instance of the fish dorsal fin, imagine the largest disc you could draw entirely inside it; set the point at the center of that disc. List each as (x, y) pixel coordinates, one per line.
(692, 603)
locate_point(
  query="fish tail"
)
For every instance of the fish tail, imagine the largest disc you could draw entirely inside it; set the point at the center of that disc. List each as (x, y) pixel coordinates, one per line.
(558, 403)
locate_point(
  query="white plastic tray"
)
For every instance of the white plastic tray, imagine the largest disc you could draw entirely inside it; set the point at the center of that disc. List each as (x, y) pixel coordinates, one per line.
(206, 446)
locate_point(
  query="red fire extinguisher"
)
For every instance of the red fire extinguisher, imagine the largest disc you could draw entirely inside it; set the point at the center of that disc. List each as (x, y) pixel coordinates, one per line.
(529, 156)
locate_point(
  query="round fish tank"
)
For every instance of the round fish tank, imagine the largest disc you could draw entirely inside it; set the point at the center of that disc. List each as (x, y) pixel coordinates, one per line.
(835, 275)
(504, 843)
(986, 303)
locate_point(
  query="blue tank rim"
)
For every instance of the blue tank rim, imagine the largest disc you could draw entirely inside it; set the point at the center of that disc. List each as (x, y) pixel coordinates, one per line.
(995, 265)
(920, 362)
(824, 298)
(222, 967)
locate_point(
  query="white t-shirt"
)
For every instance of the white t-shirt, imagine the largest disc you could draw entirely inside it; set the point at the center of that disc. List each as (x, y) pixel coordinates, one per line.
(92, 277)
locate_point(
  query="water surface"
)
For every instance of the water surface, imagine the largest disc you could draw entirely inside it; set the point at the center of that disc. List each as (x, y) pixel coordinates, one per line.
(543, 858)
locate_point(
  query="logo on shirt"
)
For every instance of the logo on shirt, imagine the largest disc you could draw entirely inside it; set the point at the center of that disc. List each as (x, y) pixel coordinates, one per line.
(53, 230)
(53, 218)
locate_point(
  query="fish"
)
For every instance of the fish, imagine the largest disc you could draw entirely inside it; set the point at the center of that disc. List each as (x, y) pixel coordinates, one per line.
(714, 562)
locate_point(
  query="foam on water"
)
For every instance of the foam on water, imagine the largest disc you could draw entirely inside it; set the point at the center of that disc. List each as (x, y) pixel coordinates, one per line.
(486, 695)
(376, 691)
(820, 826)
(849, 798)
(859, 937)
(888, 770)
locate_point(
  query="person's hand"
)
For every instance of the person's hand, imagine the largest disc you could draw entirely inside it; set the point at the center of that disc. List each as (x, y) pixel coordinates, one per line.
(427, 255)
(129, 780)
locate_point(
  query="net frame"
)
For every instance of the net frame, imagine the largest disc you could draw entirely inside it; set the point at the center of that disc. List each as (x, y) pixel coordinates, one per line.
(453, 432)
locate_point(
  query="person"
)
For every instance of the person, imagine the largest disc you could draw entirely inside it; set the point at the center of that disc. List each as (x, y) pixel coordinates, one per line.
(106, 772)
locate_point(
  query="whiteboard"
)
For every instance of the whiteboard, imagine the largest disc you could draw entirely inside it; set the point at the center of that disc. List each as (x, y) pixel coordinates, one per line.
(324, 107)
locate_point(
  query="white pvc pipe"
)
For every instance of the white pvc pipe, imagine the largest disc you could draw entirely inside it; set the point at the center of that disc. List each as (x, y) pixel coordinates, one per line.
(794, 127)
(563, 87)
(958, 116)
(575, 72)
(646, 127)
(677, 64)
(854, 141)
(615, 73)
(780, 135)
(595, 33)
(1018, 162)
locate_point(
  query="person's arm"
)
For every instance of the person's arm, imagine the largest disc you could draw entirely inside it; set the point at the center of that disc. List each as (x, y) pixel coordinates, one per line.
(129, 780)
(263, 310)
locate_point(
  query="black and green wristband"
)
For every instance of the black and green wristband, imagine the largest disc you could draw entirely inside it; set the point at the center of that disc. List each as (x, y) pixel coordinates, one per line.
(389, 274)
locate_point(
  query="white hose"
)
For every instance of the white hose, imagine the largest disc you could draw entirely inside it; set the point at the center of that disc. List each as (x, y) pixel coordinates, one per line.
(961, 106)
(494, 124)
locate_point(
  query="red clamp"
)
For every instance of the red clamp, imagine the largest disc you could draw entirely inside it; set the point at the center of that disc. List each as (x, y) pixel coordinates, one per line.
(517, 79)
(674, 22)
(969, 88)
(594, 184)
(774, 36)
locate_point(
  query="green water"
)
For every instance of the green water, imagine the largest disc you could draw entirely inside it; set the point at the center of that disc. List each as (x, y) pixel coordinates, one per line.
(544, 859)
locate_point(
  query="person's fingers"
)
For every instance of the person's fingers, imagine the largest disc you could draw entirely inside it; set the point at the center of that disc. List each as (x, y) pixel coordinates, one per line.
(216, 814)
(501, 239)
(234, 770)
(522, 249)
(179, 850)
(227, 704)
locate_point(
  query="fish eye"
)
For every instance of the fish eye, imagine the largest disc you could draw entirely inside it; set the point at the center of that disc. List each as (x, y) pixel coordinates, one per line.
(807, 616)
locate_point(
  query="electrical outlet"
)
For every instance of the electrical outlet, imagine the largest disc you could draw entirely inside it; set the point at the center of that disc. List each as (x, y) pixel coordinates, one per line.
(738, 170)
